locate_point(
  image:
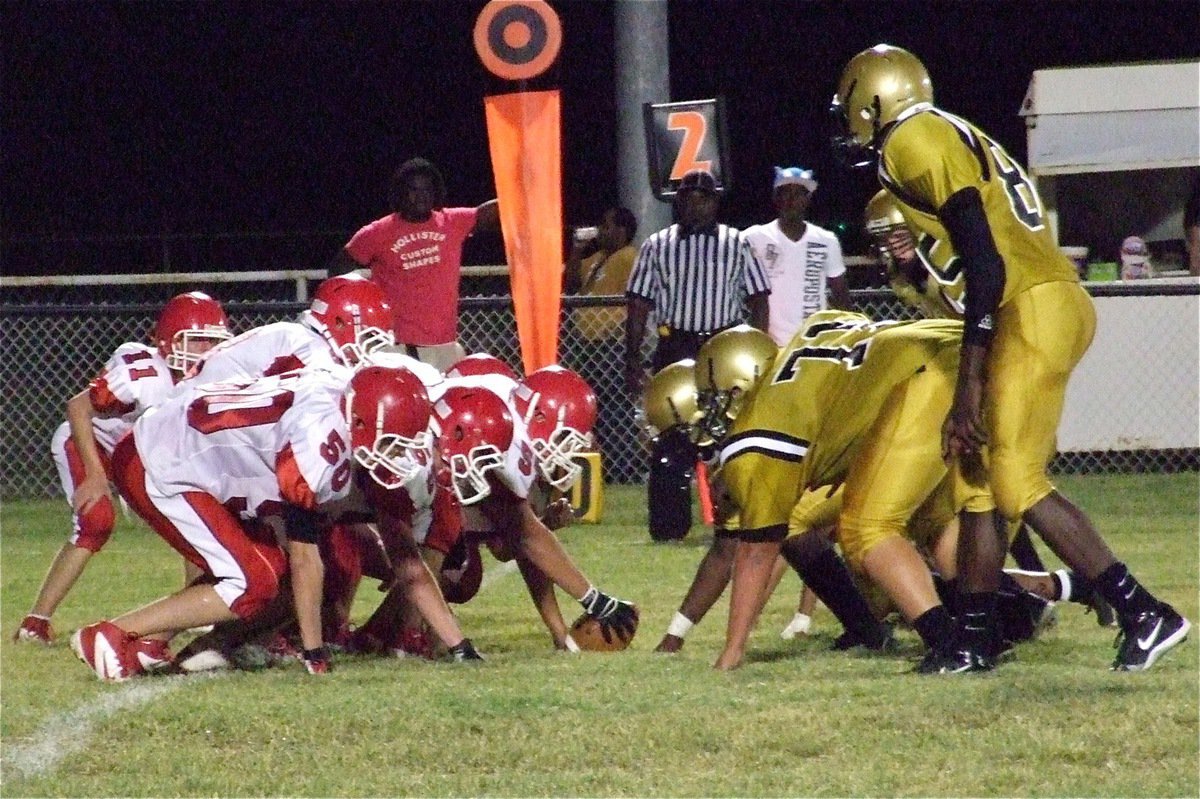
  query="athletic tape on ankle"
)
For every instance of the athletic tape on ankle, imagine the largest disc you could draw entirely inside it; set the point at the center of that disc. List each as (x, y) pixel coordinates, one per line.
(680, 625)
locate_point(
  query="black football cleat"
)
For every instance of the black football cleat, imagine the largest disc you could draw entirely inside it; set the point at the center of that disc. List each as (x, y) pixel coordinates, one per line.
(879, 639)
(1105, 615)
(961, 661)
(465, 652)
(1144, 638)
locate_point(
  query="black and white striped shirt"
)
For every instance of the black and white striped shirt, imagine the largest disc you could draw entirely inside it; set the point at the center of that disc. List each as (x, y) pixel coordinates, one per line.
(698, 282)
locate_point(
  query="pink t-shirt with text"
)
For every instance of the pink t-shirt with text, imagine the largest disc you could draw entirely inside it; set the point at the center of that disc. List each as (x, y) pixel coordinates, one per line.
(417, 264)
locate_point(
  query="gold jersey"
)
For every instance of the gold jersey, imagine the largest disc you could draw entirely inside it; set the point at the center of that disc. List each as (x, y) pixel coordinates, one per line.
(928, 157)
(933, 282)
(804, 421)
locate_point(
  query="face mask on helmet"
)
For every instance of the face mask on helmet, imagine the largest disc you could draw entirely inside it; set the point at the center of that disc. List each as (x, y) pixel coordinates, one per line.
(387, 411)
(878, 87)
(481, 363)
(889, 233)
(188, 326)
(474, 429)
(672, 402)
(559, 410)
(727, 367)
(352, 315)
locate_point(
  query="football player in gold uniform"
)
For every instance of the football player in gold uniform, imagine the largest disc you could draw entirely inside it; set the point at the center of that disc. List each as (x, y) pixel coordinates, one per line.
(854, 401)
(897, 464)
(1027, 322)
(926, 274)
(672, 402)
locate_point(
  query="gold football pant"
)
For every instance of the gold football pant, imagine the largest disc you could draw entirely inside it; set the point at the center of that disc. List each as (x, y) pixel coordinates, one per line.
(900, 465)
(1040, 336)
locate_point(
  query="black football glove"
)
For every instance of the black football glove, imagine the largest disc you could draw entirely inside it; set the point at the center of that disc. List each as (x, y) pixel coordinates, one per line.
(614, 614)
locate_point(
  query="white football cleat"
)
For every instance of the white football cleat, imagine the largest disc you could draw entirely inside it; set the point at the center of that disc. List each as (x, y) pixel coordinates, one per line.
(151, 654)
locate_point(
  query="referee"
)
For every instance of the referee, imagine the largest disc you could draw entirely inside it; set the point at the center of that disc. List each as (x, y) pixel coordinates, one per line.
(698, 277)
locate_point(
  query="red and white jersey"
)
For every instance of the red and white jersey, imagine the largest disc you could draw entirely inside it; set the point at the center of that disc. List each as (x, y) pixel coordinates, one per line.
(252, 446)
(265, 351)
(416, 504)
(135, 377)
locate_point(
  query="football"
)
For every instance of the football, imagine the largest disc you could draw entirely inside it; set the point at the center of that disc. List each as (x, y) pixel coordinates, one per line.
(596, 636)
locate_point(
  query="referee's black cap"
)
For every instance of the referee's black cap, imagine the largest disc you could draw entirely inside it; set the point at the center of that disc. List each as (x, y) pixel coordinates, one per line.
(698, 180)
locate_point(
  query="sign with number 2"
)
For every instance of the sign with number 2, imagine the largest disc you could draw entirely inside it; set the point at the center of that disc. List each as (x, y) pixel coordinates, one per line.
(684, 136)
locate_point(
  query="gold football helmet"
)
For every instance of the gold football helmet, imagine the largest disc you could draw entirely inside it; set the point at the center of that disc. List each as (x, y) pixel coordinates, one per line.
(727, 366)
(890, 234)
(877, 86)
(671, 399)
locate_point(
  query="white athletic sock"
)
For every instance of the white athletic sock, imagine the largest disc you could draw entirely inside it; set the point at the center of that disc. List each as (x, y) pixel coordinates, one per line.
(799, 625)
(1063, 578)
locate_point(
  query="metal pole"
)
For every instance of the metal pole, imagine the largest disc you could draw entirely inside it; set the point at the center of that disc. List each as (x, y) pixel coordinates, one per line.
(642, 76)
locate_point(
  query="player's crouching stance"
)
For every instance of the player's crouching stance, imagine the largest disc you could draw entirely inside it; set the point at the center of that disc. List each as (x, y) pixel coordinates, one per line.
(500, 438)
(848, 400)
(420, 516)
(135, 377)
(205, 465)
(673, 404)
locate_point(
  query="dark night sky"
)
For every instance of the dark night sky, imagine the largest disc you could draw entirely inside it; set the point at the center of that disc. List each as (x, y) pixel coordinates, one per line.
(190, 117)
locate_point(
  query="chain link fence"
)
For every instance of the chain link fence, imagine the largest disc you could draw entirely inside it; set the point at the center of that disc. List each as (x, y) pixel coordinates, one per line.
(50, 352)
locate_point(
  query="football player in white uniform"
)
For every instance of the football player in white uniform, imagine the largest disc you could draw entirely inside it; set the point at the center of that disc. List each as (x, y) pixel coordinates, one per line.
(431, 519)
(204, 465)
(378, 530)
(498, 437)
(347, 319)
(135, 377)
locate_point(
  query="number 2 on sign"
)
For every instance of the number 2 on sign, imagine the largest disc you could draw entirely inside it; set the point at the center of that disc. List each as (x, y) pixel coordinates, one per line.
(695, 130)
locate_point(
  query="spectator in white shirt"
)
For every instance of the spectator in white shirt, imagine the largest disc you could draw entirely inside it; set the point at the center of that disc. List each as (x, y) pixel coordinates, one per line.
(803, 261)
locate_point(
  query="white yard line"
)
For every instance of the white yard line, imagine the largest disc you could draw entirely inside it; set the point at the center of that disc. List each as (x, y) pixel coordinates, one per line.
(65, 734)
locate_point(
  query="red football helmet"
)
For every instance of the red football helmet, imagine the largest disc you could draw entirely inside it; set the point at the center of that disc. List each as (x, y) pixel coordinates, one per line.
(481, 363)
(186, 318)
(353, 316)
(387, 410)
(474, 430)
(559, 408)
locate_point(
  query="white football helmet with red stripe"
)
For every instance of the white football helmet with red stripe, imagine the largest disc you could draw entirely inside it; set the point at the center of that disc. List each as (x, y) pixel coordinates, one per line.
(481, 363)
(559, 408)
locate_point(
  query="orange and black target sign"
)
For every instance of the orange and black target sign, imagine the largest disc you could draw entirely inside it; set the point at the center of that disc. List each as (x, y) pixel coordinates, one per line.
(517, 39)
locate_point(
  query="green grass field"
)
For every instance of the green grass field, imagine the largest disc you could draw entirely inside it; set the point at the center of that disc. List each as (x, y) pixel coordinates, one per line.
(797, 720)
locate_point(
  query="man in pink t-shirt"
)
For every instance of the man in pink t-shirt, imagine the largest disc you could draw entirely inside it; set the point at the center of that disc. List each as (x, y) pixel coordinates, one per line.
(415, 255)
